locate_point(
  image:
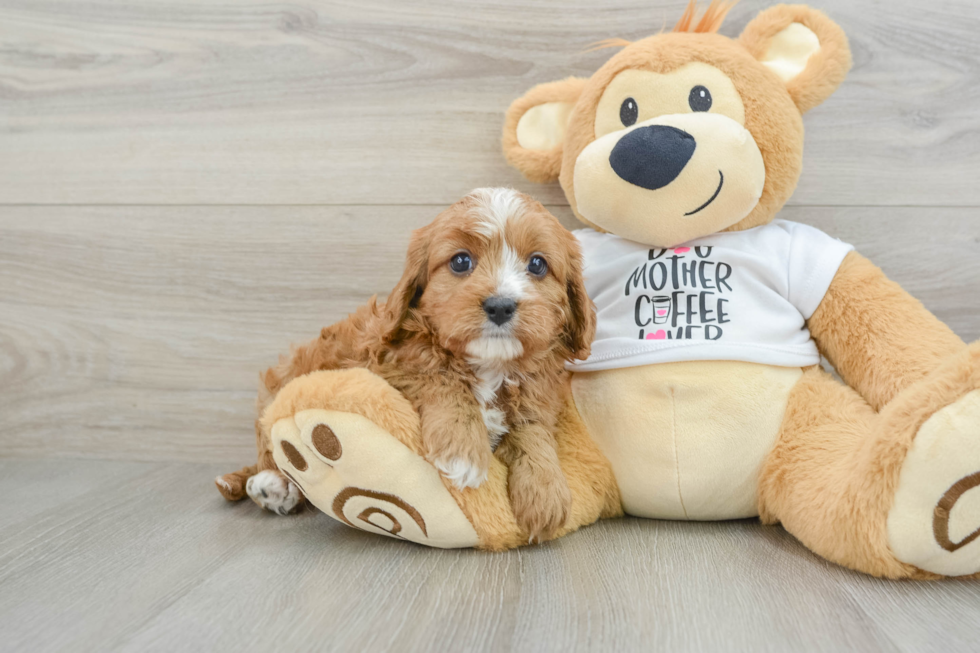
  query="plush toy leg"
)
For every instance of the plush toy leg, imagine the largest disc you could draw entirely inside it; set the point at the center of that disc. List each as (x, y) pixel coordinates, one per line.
(895, 493)
(351, 443)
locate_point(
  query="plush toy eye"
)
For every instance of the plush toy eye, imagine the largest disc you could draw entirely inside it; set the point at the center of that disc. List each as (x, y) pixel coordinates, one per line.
(699, 99)
(628, 112)
(537, 266)
(461, 263)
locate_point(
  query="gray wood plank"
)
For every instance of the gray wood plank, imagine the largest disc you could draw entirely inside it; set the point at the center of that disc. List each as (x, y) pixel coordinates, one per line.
(119, 321)
(897, 608)
(385, 102)
(28, 494)
(79, 575)
(158, 561)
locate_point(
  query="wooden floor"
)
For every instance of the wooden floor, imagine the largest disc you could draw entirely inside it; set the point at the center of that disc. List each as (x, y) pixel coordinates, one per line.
(139, 556)
(187, 187)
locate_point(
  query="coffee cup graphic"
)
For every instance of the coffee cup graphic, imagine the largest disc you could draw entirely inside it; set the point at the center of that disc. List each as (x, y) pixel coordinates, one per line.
(661, 309)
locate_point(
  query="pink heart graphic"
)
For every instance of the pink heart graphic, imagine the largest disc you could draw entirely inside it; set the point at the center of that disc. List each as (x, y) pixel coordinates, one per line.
(659, 335)
(661, 312)
(681, 250)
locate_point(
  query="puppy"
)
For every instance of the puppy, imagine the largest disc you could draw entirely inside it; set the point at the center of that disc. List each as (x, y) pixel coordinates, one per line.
(475, 335)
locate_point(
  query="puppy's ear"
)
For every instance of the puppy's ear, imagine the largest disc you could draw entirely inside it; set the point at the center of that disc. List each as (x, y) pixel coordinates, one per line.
(406, 295)
(580, 327)
(534, 130)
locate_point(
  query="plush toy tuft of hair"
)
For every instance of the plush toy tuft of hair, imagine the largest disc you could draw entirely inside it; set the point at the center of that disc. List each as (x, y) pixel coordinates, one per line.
(710, 22)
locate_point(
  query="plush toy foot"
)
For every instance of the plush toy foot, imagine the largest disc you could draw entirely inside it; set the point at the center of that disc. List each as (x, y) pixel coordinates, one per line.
(358, 473)
(934, 521)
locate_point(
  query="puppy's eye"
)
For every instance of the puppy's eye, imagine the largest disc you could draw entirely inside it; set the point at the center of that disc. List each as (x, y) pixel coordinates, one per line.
(699, 99)
(537, 266)
(628, 112)
(461, 263)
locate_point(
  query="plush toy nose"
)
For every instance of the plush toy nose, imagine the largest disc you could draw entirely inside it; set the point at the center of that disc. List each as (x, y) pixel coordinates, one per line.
(499, 309)
(651, 157)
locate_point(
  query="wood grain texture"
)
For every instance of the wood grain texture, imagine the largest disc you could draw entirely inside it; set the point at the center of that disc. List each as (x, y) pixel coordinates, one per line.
(139, 332)
(147, 557)
(388, 102)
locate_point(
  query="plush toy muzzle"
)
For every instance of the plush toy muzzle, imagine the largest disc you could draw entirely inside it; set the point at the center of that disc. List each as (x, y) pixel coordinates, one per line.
(670, 179)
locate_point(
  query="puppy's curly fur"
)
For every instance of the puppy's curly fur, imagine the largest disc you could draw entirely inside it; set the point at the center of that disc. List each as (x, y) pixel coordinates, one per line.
(476, 384)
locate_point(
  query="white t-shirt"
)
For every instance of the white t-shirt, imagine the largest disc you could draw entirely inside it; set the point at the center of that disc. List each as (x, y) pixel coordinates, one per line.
(741, 295)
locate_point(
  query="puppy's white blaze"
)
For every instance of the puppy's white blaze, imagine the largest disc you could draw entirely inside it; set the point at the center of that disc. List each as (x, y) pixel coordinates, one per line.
(496, 422)
(461, 473)
(494, 206)
(486, 349)
(272, 492)
(490, 377)
(510, 275)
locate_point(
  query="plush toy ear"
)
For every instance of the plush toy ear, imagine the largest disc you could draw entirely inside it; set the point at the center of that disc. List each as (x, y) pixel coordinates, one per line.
(805, 49)
(534, 130)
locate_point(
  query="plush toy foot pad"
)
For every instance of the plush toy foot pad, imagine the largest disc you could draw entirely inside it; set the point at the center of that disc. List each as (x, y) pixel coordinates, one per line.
(358, 473)
(934, 523)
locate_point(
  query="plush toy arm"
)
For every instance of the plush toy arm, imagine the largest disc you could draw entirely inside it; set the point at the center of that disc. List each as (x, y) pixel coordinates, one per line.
(878, 337)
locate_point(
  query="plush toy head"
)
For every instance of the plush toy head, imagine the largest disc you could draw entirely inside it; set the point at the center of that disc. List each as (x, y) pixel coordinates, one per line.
(687, 133)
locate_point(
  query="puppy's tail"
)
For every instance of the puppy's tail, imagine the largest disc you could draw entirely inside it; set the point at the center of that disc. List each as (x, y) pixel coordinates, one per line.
(232, 486)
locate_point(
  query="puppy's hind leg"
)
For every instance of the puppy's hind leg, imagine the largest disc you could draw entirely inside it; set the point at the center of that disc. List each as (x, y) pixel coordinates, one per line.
(232, 486)
(262, 482)
(274, 492)
(267, 486)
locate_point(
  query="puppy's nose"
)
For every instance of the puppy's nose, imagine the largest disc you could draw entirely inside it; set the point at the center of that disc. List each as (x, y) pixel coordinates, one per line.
(651, 157)
(499, 309)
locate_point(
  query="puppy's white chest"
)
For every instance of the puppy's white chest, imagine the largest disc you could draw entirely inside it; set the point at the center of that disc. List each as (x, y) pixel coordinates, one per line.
(489, 381)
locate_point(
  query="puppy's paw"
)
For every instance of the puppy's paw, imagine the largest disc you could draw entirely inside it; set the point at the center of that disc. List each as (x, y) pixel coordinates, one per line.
(274, 492)
(461, 472)
(230, 486)
(464, 459)
(541, 501)
(543, 520)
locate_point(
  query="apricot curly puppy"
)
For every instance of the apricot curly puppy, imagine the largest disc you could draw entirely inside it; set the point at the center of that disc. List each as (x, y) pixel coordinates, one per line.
(475, 335)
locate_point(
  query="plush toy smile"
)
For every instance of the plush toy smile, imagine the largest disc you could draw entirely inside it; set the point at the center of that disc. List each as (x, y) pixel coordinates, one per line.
(721, 182)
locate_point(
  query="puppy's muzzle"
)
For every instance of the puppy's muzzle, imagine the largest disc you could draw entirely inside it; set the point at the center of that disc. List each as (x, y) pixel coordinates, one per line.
(500, 310)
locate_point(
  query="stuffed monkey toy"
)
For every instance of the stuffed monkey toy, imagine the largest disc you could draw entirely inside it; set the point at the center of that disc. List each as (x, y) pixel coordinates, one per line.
(703, 397)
